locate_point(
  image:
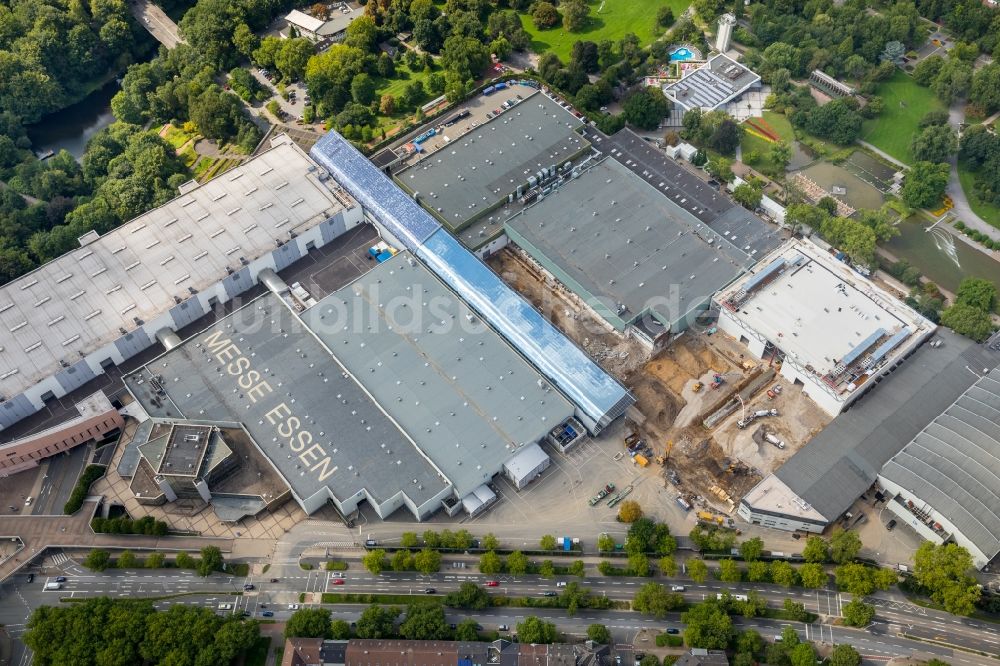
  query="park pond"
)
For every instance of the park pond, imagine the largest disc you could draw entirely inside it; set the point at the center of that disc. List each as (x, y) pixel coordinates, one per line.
(71, 128)
(940, 256)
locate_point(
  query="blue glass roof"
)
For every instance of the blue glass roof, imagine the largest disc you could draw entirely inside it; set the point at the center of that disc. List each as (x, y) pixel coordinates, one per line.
(378, 195)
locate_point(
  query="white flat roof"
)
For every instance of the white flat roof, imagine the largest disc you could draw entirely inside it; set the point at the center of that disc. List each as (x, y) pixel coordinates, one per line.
(772, 496)
(303, 20)
(820, 310)
(75, 304)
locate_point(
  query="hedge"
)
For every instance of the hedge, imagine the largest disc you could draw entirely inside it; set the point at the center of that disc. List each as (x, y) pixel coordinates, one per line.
(90, 474)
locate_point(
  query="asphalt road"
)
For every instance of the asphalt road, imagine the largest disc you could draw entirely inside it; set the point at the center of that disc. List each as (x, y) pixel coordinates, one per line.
(890, 635)
(159, 25)
(60, 479)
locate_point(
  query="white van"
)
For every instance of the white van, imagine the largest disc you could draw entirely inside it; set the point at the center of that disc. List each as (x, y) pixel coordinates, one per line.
(53, 586)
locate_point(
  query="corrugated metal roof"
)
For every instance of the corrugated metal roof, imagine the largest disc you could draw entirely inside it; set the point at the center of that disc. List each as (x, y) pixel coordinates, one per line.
(843, 460)
(954, 464)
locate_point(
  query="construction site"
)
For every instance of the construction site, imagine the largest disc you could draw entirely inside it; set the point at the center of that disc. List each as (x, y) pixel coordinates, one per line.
(691, 399)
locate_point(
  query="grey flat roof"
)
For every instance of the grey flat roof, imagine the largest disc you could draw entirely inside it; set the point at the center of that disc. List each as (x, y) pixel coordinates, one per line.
(468, 400)
(75, 304)
(954, 464)
(477, 170)
(182, 456)
(367, 450)
(717, 82)
(625, 242)
(842, 461)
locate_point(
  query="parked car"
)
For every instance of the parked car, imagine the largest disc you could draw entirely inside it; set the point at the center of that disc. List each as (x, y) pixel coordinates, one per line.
(503, 627)
(673, 630)
(891, 525)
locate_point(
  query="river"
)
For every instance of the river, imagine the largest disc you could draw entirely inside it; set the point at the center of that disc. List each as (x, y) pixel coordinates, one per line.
(941, 257)
(71, 128)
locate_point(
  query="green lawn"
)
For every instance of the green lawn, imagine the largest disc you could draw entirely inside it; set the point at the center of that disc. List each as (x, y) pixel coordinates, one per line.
(989, 212)
(617, 18)
(905, 104)
(395, 85)
(752, 144)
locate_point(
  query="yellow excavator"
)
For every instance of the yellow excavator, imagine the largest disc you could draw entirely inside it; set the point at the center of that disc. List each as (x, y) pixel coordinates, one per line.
(662, 460)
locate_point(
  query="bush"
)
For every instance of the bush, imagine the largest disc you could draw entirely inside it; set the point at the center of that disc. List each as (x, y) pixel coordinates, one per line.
(336, 565)
(147, 525)
(90, 474)
(669, 640)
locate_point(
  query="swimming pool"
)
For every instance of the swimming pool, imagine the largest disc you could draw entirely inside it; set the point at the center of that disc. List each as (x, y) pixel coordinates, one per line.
(682, 53)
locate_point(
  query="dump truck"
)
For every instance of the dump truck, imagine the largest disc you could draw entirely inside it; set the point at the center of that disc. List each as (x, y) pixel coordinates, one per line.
(709, 517)
(640, 460)
(697, 387)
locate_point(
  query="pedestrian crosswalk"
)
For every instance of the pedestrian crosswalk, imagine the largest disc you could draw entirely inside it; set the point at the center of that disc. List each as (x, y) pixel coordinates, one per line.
(58, 559)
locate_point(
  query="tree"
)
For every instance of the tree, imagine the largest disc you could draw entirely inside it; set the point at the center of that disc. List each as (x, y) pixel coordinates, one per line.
(645, 108)
(968, 321)
(467, 630)
(783, 573)
(925, 184)
(402, 560)
(654, 599)
(490, 563)
(340, 630)
(803, 654)
(466, 56)
(574, 14)
(844, 546)
(547, 569)
(638, 564)
(664, 16)
(185, 561)
(211, 560)
(858, 614)
(795, 610)
(376, 622)
(605, 543)
(816, 548)
(857, 579)
(977, 293)
(155, 561)
(427, 561)
(729, 571)
(748, 195)
(127, 560)
(629, 511)
(517, 563)
(720, 168)
(985, 90)
(425, 621)
(599, 634)
(544, 15)
(374, 561)
(408, 540)
(547, 542)
(838, 121)
(813, 575)
(308, 623)
(97, 560)
(535, 630)
(490, 542)
(726, 137)
(362, 34)
(944, 571)
(708, 626)
(781, 154)
(363, 89)
(698, 570)
(469, 595)
(934, 143)
(844, 655)
(668, 566)
(758, 572)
